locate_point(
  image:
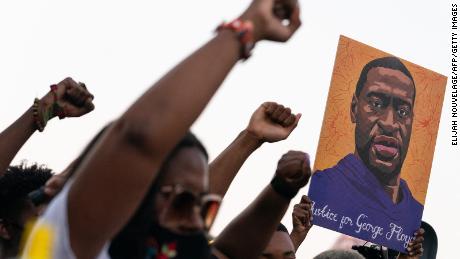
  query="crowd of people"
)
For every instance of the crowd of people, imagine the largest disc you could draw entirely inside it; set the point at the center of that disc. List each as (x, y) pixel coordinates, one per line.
(143, 187)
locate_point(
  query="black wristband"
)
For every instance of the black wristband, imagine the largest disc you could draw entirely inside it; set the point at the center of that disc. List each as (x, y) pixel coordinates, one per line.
(282, 188)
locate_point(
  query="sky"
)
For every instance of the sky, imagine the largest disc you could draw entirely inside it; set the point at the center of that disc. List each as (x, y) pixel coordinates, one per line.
(120, 48)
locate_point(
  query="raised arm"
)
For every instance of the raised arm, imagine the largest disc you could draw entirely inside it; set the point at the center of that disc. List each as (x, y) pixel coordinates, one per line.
(113, 179)
(72, 101)
(301, 221)
(249, 233)
(271, 122)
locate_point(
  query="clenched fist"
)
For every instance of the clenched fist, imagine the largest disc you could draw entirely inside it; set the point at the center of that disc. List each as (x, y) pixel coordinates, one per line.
(68, 99)
(302, 218)
(268, 17)
(272, 122)
(293, 173)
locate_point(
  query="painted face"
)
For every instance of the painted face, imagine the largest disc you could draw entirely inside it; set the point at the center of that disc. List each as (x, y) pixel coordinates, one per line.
(383, 113)
(178, 202)
(279, 247)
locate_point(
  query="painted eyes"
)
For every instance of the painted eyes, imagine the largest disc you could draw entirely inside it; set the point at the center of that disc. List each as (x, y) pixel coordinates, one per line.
(377, 104)
(403, 112)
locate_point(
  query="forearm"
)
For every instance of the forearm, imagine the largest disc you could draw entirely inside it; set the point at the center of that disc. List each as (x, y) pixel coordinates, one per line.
(255, 225)
(139, 141)
(14, 137)
(224, 168)
(297, 239)
(17, 134)
(166, 111)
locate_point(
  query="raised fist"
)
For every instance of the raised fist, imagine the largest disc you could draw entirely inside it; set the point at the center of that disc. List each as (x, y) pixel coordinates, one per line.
(272, 122)
(68, 99)
(302, 217)
(293, 173)
(268, 17)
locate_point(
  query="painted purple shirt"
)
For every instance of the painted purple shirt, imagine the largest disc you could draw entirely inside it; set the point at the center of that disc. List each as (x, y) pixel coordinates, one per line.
(349, 199)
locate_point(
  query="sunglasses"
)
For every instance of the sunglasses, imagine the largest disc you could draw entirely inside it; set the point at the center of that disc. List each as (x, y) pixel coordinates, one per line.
(183, 202)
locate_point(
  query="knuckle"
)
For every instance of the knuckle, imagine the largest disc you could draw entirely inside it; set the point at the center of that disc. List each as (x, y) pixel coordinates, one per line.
(68, 79)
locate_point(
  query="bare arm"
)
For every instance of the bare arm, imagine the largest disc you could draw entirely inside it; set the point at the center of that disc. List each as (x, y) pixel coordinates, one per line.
(271, 122)
(14, 137)
(17, 134)
(302, 221)
(114, 177)
(126, 159)
(257, 223)
(224, 168)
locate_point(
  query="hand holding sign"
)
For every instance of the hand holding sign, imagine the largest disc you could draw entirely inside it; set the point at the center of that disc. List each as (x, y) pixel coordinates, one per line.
(301, 221)
(415, 248)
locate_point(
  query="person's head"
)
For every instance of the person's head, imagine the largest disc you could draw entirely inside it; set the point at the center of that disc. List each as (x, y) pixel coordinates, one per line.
(339, 254)
(383, 110)
(16, 208)
(181, 184)
(280, 245)
(177, 208)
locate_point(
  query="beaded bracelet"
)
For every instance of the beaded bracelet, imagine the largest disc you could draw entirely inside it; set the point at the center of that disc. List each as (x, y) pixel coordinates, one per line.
(41, 118)
(35, 111)
(245, 33)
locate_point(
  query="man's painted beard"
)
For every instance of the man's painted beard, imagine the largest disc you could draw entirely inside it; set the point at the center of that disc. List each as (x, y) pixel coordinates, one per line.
(382, 155)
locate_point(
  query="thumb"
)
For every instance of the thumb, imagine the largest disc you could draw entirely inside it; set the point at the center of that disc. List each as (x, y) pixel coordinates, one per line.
(89, 105)
(296, 121)
(280, 32)
(295, 19)
(297, 118)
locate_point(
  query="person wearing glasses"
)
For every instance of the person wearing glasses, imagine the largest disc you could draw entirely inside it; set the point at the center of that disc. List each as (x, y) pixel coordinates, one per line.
(182, 203)
(111, 182)
(177, 211)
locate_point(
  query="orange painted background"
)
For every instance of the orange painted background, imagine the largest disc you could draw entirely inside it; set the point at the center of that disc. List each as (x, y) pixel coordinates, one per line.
(337, 133)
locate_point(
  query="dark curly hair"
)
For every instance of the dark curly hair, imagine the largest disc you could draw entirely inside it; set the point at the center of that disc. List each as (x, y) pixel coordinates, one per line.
(17, 183)
(15, 187)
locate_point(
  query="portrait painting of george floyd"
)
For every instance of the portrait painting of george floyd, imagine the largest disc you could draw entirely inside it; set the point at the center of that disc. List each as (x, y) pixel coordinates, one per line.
(376, 146)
